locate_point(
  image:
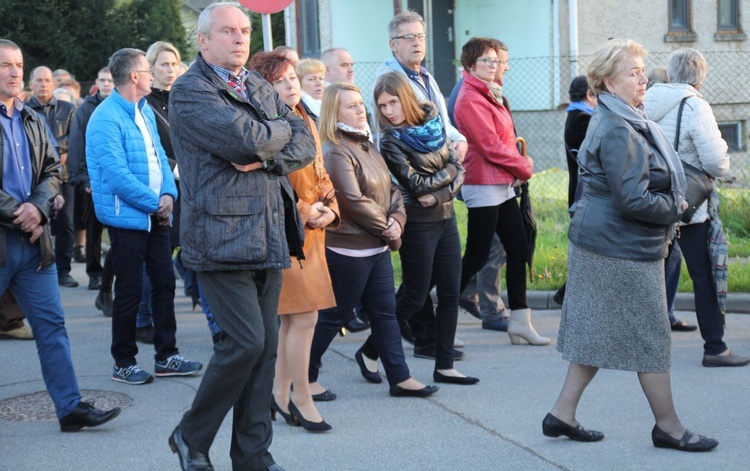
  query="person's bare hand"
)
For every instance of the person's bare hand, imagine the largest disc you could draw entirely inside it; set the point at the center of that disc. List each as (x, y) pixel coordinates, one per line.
(28, 217)
(427, 200)
(58, 203)
(166, 204)
(517, 182)
(36, 234)
(326, 217)
(531, 161)
(315, 210)
(684, 205)
(63, 158)
(393, 231)
(248, 167)
(87, 190)
(460, 148)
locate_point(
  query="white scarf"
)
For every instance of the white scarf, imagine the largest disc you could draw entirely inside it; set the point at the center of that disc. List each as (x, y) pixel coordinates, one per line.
(312, 104)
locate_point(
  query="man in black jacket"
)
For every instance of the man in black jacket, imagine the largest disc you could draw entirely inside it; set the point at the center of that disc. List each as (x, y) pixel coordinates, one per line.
(59, 115)
(29, 183)
(99, 277)
(235, 142)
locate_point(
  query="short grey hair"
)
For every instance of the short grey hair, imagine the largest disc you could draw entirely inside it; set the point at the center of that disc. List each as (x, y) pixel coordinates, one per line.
(122, 63)
(8, 44)
(206, 21)
(408, 16)
(38, 69)
(327, 56)
(687, 65)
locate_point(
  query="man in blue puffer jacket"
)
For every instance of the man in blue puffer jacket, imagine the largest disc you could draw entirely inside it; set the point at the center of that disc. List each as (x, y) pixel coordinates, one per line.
(133, 191)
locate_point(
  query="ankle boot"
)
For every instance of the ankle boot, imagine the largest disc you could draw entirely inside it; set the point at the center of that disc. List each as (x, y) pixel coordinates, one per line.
(520, 329)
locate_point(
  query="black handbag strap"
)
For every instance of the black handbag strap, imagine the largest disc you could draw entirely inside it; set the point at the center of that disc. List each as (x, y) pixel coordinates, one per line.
(679, 121)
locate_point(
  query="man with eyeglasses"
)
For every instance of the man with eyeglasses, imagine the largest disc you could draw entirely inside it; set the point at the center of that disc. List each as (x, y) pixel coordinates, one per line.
(133, 190)
(408, 42)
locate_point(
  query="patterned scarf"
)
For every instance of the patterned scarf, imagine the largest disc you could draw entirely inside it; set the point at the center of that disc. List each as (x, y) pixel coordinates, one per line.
(353, 130)
(426, 138)
(637, 118)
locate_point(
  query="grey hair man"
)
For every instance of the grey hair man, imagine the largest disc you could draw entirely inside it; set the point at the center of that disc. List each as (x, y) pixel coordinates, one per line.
(235, 142)
(29, 183)
(339, 65)
(59, 116)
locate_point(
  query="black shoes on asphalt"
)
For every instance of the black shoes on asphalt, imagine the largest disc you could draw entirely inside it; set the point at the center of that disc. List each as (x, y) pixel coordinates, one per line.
(86, 415)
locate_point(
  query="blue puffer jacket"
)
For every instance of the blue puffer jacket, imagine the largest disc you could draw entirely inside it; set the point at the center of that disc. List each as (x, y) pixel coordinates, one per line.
(118, 165)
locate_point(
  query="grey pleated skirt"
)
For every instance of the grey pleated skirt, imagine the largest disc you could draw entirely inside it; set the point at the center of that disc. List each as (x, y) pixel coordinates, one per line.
(615, 314)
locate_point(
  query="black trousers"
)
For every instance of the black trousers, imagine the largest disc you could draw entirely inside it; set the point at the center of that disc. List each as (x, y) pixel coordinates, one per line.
(694, 245)
(64, 230)
(239, 375)
(506, 221)
(369, 280)
(130, 250)
(431, 256)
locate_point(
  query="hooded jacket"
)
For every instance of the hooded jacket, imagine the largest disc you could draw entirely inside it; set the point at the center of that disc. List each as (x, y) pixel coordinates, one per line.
(700, 142)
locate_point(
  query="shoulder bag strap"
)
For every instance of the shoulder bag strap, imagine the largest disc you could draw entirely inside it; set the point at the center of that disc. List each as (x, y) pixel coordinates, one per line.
(679, 121)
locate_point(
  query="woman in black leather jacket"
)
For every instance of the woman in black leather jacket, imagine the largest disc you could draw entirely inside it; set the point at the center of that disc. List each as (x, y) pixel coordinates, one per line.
(418, 154)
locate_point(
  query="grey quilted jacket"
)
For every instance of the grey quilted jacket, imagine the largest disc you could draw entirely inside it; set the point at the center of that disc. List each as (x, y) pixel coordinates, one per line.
(234, 220)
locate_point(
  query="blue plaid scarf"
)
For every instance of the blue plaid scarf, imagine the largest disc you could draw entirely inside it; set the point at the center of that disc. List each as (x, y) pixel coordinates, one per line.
(426, 138)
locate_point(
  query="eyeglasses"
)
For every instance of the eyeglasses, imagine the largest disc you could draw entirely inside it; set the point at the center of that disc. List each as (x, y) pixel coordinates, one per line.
(412, 37)
(490, 62)
(144, 72)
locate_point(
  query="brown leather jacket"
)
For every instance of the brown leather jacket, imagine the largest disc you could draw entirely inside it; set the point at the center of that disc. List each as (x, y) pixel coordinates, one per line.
(366, 195)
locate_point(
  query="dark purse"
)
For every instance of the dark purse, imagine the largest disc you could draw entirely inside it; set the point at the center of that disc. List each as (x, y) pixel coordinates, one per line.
(699, 184)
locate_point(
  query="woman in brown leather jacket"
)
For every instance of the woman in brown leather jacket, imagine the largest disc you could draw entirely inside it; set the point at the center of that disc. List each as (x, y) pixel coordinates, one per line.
(372, 218)
(306, 286)
(418, 154)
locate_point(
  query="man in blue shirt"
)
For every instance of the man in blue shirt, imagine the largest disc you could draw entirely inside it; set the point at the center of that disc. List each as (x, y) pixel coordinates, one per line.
(29, 184)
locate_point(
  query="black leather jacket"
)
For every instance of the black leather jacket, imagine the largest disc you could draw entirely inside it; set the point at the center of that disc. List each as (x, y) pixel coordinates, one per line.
(77, 167)
(59, 116)
(419, 174)
(45, 182)
(627, 207)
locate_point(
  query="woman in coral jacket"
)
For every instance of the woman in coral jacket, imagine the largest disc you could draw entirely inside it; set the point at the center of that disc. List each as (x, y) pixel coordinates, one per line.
(494, 168)
(306, 286)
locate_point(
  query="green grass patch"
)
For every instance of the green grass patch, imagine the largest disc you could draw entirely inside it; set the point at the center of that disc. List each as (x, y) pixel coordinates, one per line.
(549, 191)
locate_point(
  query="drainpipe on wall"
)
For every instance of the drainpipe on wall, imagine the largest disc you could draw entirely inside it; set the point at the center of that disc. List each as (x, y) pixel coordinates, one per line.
(573, 27)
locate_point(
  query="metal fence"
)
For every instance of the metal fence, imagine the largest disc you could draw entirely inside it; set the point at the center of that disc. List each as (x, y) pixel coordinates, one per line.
(537, 89)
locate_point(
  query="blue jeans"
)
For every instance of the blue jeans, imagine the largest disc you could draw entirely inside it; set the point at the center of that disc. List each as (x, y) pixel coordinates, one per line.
(672, 269)
(368, 280)
(38, 296)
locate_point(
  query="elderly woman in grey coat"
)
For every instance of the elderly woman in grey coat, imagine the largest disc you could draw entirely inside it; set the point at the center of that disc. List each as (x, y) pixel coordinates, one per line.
(615, 312)
(700, 145)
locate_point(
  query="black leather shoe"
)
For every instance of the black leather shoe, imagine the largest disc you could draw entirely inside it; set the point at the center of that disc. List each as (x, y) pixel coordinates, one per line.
(406, 334)
(730, 359)
(559, 296)
(398, 391)
(367, 374)
(308, 425)
(357, 325)
(470, 307)
(276, 409)
(554, 427)
(662, 440)
(441, 378)
(67, 281)
(86, 415)
(428, 352)
(325, 396)
(103, 302)
(145, 334)
(680, 326)
(190, 459)
(95, 282)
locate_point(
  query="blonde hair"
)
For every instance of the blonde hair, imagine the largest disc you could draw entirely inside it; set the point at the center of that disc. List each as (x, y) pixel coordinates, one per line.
(329, 110)
(396, 84)
(157, 48)
(310, 66)
(606, 60)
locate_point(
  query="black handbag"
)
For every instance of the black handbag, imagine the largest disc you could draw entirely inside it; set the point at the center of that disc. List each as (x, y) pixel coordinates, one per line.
(699, 184)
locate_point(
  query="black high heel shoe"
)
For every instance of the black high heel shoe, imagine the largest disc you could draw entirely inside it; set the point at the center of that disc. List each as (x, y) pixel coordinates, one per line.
(554, 427)
(321, 426)
(398, 391)
(276, 409)
(662, 440)
(367, 374)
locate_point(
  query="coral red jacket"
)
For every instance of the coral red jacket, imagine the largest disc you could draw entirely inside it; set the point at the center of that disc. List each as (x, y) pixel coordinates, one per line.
(492, 157)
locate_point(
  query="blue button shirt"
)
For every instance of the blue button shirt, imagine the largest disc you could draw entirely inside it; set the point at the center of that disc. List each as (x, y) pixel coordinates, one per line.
(17, 172)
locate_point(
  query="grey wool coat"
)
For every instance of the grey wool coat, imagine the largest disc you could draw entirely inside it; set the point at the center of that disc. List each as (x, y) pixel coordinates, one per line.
(234, 220)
